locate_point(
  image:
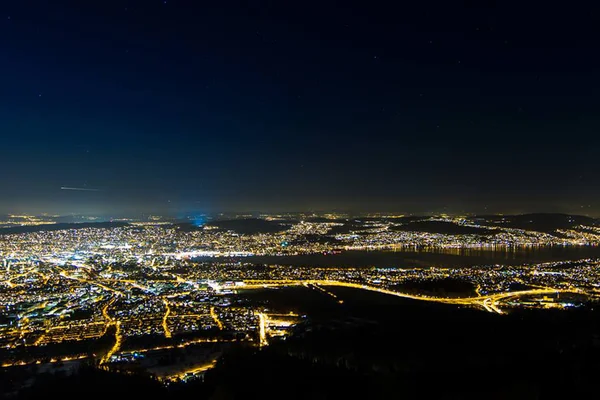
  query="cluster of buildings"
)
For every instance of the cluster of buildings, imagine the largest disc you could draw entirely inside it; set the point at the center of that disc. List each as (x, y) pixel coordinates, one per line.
(140, 285)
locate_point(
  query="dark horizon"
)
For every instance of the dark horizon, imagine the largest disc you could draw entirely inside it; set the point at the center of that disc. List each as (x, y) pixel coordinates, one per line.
(101, 204)
(185, 215)
(175, 106)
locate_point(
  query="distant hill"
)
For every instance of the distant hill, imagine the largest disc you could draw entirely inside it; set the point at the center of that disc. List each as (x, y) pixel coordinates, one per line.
(448, 228)
(539, 222)
(361, 224)
(60, 227)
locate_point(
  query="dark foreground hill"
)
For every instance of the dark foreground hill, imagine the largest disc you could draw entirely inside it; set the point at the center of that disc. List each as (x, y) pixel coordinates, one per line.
(374, 347)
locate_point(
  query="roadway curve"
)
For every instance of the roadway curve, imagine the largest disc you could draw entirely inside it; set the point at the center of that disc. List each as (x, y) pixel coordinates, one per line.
(489, 303)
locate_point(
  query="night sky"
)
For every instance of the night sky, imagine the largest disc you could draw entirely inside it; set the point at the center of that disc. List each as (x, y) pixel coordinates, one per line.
(191, 106)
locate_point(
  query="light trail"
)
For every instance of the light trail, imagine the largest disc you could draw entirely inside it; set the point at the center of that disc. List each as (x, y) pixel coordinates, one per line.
(117, 345)
(105, 310)
(109, 320)
(215, 318)
(118, 337)
(262, 319)
(165, 325)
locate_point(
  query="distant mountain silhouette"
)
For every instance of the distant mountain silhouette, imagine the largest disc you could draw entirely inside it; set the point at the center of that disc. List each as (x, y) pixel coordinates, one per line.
(541, 222)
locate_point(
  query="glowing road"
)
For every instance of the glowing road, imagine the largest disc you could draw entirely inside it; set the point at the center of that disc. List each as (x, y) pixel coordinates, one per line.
(262, 329)
(164, 320)
(116, 346)
(191, 371)
(110, 321)
(489, 303)
(215, 318)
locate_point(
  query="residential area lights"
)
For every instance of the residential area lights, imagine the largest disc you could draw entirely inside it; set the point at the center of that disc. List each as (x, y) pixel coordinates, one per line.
(136, 281)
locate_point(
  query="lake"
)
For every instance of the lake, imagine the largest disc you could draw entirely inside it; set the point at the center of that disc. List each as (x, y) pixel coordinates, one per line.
(439, 257)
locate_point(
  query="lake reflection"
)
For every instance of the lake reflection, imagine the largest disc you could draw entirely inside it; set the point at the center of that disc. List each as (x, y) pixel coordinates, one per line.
(440, 257)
